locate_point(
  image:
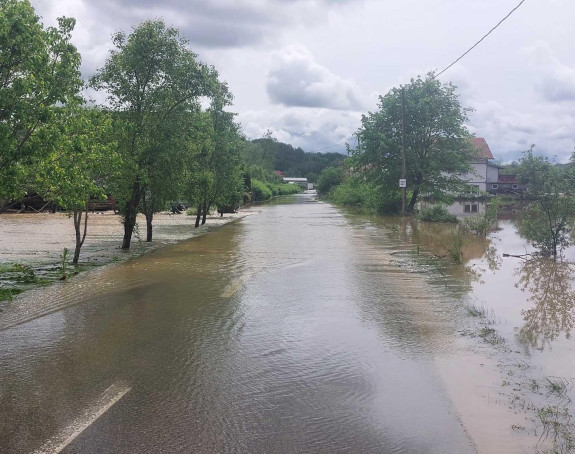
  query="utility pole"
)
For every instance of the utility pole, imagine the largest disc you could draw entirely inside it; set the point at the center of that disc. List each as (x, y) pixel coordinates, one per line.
(403, 165)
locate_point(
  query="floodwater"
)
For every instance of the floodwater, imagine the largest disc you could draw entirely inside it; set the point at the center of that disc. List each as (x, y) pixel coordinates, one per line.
(300, 329)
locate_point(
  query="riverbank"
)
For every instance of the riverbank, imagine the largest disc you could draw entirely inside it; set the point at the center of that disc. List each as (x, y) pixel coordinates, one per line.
(32, 245)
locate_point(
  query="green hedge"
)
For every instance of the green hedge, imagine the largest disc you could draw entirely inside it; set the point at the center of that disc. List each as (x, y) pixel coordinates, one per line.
(264, 190)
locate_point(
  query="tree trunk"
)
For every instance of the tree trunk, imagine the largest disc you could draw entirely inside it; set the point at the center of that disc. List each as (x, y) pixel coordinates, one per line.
(198, 215)
(149, 218)
(130, 215)
(205, 213)
(413, 200)
(80, 236)
(149, 213)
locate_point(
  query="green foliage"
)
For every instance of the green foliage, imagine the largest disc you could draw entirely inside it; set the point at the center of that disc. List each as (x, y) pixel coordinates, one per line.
(39, 69)
(329, 178)
(437, 213)
(64, 263)
(455, 247)
(482, 223)
(264, 190)
(260, 191)
(356, 192)
(438, 148)
(153, 82)
(549, 218)
(271, 154)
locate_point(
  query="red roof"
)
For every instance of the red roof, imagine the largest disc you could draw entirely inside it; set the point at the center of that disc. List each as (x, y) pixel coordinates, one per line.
(279, 173)
(508, 179)
(481, 145)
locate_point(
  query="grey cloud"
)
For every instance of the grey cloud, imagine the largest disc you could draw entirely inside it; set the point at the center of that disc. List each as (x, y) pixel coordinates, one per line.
(295, 79)
(555, 88)
(219, 23)
(557, 80)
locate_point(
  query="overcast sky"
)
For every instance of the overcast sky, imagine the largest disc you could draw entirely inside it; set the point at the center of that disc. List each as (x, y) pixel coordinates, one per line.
(308, 69)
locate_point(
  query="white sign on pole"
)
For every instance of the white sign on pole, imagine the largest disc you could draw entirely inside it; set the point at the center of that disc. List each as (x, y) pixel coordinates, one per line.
(402, 183)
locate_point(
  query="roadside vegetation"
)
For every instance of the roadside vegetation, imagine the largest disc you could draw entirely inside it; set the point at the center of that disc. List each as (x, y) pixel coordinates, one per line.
(165, 133)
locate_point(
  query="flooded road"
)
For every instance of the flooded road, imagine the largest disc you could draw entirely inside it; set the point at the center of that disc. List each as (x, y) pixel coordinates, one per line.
(294, 330)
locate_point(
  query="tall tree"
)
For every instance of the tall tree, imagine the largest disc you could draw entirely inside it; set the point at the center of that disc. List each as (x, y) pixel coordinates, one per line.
(151, 77)
(437, 143)
(216, 178)
(77, 168)
(39, 69)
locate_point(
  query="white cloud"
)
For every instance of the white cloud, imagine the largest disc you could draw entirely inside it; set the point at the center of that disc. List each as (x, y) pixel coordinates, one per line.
(296, 79)
(310, 129)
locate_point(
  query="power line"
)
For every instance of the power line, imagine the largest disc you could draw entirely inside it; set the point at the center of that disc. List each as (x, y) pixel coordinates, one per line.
(327, 148)
(449, 66)
(483, 37)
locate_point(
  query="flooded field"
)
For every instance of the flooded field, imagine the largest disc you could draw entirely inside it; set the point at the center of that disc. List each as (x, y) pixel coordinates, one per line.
(301, 329)
(520, 316)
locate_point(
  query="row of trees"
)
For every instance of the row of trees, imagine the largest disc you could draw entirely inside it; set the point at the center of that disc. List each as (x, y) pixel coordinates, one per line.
(273, 155)
(163, 134)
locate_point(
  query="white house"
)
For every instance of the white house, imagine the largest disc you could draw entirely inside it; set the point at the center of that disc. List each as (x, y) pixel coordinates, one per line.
(484, 174)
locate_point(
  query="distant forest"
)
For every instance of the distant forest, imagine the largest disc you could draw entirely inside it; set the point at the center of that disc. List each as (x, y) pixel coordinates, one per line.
(293, 162)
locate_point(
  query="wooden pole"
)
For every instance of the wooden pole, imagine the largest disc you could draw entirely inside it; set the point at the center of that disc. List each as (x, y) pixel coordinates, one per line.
(403, 165)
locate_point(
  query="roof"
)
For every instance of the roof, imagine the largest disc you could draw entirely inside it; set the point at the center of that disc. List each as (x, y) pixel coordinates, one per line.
(481, 145)
(296, 180)
(508, 179)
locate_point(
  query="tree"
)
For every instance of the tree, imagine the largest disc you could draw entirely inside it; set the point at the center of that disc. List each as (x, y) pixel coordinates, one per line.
(216, 173)
(151, 78)
(77, 168)
(550, 215)
(437, 144)
(39, 69)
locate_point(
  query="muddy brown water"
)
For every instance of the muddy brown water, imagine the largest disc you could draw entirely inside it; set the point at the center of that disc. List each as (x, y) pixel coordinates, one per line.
(299, 329)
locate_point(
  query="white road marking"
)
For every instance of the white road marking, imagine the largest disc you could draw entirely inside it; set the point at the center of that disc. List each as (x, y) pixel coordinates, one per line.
(104, 402)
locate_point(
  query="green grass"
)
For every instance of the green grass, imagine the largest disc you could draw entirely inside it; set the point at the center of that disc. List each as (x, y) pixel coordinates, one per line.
(6, 294)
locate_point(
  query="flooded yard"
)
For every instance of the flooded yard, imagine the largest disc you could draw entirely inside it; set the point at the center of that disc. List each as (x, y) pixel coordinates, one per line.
(519, 316)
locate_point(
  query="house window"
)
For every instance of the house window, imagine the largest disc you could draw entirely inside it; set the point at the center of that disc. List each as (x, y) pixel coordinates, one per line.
(494, 186)
(514, 186)
(470, 208)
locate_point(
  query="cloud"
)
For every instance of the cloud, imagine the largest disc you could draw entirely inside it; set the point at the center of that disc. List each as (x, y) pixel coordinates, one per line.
(310, 129)
(296, 79)
(556, 79)
(510, 132)
(207, 24)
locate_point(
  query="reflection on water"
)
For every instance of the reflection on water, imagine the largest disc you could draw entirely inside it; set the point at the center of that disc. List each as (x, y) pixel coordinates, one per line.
(547, 283)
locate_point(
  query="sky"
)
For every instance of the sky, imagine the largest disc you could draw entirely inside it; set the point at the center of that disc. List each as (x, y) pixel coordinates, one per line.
(308, 69)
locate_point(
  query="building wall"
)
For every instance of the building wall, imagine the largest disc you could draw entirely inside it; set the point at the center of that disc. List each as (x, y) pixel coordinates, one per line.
(477, 176)
(492, 174)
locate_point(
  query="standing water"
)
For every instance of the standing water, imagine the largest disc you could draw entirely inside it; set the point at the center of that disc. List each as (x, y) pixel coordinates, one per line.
(295, 330)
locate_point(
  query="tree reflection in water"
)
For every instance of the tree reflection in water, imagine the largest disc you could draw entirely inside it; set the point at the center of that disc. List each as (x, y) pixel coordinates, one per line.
(548, 282)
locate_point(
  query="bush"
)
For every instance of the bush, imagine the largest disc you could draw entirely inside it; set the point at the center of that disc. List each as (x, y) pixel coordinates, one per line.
(482, 223)
(356, 192)
(437, 213)
(260, 191)
(266, 190)
(329, 178)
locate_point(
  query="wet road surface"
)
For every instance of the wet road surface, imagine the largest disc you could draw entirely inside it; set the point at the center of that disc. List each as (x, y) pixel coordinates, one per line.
(289, 331)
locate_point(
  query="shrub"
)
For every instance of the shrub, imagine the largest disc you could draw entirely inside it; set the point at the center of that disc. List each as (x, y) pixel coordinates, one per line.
(482, 223)
(329, 178)
(260, 191)
(437, 213)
